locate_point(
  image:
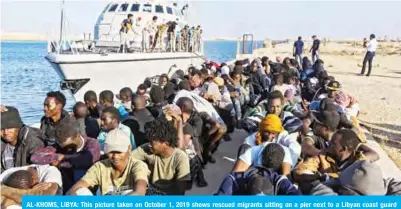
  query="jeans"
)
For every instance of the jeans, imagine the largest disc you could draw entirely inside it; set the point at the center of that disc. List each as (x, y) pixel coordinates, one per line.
(368, 58)
(315, 56)
(237, 108)
(298, 57)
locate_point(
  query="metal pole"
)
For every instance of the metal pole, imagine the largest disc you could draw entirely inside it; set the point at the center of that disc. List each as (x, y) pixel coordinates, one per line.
(62, 21)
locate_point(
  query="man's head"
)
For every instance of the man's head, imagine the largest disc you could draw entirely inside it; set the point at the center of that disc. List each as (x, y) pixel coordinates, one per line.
(325, 123)
(118, 148)
(154, 19)
(219, 82)
(21, 179)
(276, 103)
(139, 103)
(106, 98)
(68, 137)
(196, 79)
(270, 127)
(236, 76)
(10, 125)
(273, 156)
(162, 135)
(343, 144)
(110, 119)
(141, 90)
(372, 36)
(254, 66)
(130, 16)
(333, 88)
(299, 38)
(186, 105)
(265, 61)
(90, 99)
(184, 85)
(279, 79)
(80, 110)
(163, 80)
(314, 37)
(156, 94)
(54, 103)
(126, 95)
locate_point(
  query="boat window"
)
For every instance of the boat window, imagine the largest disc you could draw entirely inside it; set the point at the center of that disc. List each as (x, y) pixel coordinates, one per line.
(135, 8)
(159, 9)
(147, 8)
(123, 7)
(169, 10)
(113, 8)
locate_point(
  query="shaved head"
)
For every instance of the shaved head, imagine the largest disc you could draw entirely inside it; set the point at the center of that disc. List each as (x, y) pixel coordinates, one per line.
(185, 104)
(139, 102)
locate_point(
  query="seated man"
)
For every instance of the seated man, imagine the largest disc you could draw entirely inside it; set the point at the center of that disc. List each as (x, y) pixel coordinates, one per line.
(361, 178)
(110, 120)
(272, 159)
(106, 98)
(72, 154)
(252, 156)
(90, 99)
(18, 141)
(119, 174)
(125, 96)
(341, 153)
(271, 124)
(88, 125)
(169, 166)
(45, 180)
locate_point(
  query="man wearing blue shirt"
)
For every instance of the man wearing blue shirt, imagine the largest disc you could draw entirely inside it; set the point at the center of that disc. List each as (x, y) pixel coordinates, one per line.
(298, 49)
(315, 49)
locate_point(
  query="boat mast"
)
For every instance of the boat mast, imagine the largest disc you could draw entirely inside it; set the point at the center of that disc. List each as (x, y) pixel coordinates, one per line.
(62, 21)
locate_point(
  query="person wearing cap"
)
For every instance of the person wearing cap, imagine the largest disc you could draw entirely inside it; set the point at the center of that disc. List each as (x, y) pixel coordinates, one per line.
(371, 46)
(269, 131)
(119, 174)
(18, 141)
(272, 159)
(72, 154)
(361, 178)
(169, 165)
(55, 115)
(341, 153)
(315, 48)
(332, 88)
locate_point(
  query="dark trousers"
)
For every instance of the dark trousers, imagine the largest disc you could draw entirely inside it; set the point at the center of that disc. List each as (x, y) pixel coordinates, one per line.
(368, 58)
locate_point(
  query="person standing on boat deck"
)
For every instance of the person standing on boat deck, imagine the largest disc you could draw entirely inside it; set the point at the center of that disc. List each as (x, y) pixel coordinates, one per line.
(150, 32)
(371, 46)
(298, 49)
(315, 48)
(171, 35)
(55, 115)
(106, 98)
(126, 27)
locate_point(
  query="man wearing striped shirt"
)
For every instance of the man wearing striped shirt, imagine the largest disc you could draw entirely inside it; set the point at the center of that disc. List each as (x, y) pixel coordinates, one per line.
(371, 46)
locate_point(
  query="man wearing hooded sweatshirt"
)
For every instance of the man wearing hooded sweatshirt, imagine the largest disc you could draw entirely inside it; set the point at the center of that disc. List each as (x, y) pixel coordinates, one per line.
(54, 115)
(18, 141)
(258, 79)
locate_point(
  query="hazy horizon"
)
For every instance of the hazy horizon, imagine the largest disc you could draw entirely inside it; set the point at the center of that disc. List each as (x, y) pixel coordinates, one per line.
(272, 19)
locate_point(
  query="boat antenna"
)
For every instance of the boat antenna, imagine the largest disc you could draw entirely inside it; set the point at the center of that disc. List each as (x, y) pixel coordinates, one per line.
(62, 20)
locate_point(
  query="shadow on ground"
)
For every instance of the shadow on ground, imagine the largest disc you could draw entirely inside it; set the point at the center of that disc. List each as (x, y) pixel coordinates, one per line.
(372, 75)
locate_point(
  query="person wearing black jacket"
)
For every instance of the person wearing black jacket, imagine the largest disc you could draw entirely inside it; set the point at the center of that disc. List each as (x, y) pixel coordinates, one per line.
(54, 115)
(18, 141)
(258, 79)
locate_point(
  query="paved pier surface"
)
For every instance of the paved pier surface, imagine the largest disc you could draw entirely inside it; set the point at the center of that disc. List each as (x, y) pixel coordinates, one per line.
(215, 173)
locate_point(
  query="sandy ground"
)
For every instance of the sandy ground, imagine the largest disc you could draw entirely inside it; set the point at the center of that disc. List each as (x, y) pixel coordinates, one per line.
(379, 95)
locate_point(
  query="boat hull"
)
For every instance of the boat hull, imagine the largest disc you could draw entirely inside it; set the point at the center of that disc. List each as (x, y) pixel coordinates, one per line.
(113, 72)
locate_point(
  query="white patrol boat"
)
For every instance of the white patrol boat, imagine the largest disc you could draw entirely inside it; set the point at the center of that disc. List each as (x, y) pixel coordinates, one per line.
(110, 63)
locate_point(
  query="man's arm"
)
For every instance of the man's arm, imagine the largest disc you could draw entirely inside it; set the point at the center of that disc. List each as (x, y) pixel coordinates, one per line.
(243, 162)
(369, 152)
(183, 174)
(40, 189)
(90, 179)
(83, 159)
(80, 184)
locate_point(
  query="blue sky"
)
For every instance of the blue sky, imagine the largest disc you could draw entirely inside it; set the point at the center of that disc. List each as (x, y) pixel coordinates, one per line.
(273, 19)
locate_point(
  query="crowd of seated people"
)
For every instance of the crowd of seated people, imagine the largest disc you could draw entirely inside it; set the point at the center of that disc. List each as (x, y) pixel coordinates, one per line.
(304, 137)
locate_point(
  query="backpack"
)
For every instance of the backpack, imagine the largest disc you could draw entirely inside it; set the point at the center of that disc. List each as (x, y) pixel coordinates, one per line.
(241, 179)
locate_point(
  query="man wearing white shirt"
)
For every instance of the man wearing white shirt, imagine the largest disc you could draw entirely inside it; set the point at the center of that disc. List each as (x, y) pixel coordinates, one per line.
(371, 46)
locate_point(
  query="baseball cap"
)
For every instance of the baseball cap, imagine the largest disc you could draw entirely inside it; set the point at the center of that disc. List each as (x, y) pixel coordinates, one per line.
(331, 119)
(117, 141)
(334, 86)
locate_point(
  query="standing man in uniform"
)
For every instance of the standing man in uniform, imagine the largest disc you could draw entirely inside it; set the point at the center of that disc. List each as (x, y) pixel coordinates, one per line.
(126, 26)
(298, 49)
(315, 48)
(371, 46)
